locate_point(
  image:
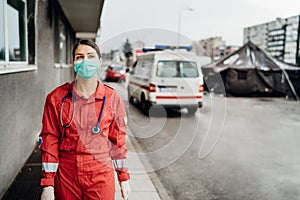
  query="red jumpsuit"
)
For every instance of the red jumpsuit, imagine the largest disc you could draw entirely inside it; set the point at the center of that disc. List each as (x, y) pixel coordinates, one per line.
(75, 161)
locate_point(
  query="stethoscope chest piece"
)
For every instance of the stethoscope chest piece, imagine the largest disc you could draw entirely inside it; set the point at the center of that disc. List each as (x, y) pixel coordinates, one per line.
(96, 130)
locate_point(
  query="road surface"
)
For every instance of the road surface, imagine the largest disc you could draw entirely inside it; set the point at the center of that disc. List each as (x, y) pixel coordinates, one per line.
(233, 148)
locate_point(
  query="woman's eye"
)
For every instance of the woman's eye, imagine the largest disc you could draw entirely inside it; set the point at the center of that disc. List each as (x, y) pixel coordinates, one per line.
(78, 57)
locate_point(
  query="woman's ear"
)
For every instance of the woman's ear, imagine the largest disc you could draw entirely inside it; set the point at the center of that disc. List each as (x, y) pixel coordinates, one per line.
(100, 62)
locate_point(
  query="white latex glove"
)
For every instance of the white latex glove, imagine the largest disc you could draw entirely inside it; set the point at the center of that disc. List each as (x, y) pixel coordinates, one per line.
(125, 189)
(48, 193)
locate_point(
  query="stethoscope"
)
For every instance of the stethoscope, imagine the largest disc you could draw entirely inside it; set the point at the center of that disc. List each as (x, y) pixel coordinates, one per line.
(96, 129)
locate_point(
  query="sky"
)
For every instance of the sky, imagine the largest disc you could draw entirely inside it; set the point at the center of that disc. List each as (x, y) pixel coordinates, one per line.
(160, 21)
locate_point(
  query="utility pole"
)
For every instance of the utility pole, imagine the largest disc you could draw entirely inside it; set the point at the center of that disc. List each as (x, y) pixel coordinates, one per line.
(179, 22)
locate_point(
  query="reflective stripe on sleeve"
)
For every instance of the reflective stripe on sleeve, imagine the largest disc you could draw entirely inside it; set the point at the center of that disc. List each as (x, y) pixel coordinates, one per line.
(119, 164)
(49, 167)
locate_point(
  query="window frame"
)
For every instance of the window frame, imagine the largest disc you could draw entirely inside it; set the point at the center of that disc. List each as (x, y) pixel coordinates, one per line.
(62, 52)
(8, 66)
(60, 19)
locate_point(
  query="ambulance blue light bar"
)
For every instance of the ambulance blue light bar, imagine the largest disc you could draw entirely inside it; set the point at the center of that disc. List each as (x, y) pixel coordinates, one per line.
(146, 49)
(188, 48)
(164, 47)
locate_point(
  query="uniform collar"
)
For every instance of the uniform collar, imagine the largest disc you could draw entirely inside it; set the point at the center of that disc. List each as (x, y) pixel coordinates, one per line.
(99, 94)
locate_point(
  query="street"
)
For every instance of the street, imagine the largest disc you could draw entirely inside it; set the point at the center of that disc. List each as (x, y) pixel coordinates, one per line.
(233, 148)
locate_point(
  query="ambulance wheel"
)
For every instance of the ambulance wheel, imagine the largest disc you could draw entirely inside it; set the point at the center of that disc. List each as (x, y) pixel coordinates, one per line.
(130, 98)
(144, 105)
(192, 110)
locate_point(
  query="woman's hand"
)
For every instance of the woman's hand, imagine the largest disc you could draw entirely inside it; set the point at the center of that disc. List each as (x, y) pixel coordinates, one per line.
(125, 189)
(48, 193)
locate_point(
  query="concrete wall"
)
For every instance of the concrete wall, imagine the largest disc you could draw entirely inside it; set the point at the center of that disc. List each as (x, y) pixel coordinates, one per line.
(22, 98)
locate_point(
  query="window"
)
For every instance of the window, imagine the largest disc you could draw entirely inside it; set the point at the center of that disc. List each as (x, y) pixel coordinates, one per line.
(2, 38)
(143, 68)
(167, 69)
(13, 41)
(16, 30)
(177, 69)
(62, 43)
(188, 69)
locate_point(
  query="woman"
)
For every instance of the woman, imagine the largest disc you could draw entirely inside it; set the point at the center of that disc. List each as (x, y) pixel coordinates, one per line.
(83, 134)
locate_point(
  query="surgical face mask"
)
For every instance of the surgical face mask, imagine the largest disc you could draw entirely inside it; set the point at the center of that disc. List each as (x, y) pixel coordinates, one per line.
(86, 68)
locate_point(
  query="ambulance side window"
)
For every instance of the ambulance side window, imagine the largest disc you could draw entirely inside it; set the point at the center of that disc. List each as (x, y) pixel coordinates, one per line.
(138, 68)
(143, 68)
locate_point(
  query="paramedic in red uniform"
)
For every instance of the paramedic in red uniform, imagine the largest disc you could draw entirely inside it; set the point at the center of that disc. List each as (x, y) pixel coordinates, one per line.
(83, 135)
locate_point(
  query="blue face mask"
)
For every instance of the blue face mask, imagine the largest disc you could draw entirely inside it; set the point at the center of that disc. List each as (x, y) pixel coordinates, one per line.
(86, 68)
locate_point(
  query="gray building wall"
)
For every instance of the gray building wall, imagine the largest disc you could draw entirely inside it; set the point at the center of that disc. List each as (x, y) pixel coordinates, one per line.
(280, 38)
(23, 96)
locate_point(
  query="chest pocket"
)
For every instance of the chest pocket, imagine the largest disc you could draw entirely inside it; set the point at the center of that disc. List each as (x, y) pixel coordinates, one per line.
(69, 140)
(68, 136)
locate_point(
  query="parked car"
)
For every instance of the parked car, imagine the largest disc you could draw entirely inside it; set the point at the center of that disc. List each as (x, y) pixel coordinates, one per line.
(115, 73)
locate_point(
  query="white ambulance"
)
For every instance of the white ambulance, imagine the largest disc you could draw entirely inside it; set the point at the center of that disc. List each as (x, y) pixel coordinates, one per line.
(167, 78)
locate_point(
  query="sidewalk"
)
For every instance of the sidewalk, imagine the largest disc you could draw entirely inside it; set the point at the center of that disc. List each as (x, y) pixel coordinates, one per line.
(26, 184)
(140, 183)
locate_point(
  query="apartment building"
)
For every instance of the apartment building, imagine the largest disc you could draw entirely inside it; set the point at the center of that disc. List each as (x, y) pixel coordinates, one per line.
(280, 38)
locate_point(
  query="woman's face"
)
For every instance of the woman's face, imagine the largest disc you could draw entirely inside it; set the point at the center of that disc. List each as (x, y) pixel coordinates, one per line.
(86, 52)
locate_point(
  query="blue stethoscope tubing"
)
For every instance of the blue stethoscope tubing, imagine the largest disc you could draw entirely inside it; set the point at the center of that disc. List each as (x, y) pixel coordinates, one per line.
(96, 129)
